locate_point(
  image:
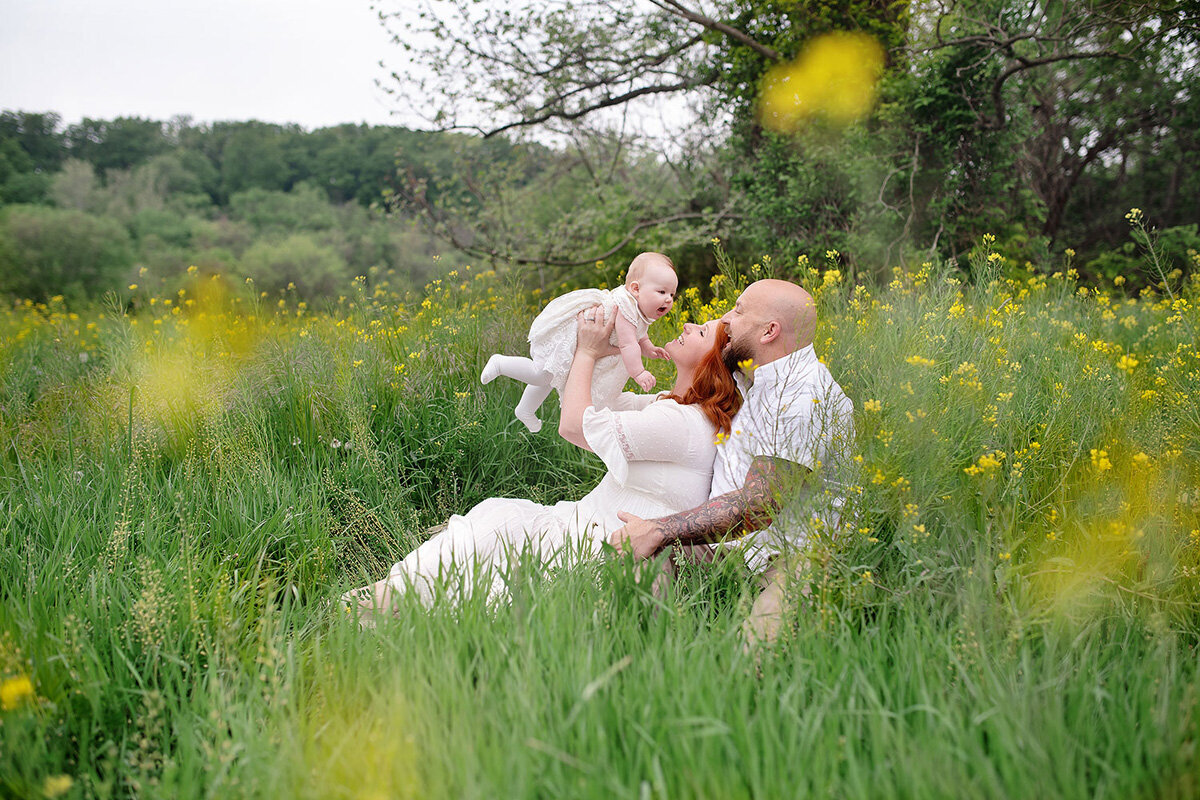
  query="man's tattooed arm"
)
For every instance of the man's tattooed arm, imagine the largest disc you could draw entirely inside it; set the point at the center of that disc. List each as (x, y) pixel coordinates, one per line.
(749, 508)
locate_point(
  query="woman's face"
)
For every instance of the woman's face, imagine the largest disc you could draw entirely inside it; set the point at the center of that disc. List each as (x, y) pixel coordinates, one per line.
(692, 344)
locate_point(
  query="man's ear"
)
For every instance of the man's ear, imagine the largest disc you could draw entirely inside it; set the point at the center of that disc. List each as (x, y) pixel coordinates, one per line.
(771, 332)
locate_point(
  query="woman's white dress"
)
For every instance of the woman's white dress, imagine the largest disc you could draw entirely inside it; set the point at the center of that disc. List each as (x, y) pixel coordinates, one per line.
(552, 339)
(659, 456)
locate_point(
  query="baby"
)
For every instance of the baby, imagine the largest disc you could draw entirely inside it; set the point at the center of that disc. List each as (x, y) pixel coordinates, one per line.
(647, 295)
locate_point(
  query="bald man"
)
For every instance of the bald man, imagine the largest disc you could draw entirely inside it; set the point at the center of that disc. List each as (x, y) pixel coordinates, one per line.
(775, 477)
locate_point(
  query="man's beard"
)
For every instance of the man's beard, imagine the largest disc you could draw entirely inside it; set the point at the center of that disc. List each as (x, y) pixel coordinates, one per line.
(734, 354)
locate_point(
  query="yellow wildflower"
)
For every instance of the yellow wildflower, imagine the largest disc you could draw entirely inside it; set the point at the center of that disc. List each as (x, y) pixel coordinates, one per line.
(835, 77)
(1127, 363)
(57, 785)
(14, 692)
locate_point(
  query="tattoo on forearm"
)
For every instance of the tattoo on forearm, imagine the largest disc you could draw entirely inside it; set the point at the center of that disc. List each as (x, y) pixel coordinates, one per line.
(751, 507)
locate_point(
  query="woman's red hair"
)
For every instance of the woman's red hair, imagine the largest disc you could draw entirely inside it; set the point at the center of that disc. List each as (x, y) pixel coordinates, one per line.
(713, 388)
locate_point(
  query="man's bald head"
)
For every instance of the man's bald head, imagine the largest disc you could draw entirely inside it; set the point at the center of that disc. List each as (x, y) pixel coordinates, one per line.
(785, 303)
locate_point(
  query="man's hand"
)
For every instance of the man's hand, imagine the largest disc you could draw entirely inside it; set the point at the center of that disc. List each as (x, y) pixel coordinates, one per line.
(642, 537)
(645, 380)
(593, 334)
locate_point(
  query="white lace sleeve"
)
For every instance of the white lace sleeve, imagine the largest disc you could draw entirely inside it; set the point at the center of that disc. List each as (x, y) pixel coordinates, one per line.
(651, 434)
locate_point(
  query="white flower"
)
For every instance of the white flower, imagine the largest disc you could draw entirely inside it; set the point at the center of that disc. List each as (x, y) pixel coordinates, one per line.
(335, 443)
(295, 441)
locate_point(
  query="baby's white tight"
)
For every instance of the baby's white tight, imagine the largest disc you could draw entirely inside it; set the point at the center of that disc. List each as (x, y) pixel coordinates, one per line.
(524, 370)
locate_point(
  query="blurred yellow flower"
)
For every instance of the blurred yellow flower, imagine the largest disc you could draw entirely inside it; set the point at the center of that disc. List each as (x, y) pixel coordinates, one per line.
(14, 692)
(835, 78)
(56, 786)
(1100, 460)
(872, 405)
(987, 463)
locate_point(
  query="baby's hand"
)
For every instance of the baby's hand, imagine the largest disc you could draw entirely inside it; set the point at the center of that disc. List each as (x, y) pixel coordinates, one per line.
(658, 352)
(645, 380)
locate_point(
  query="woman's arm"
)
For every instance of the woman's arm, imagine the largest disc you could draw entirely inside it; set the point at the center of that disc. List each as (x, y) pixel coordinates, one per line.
(592, 343)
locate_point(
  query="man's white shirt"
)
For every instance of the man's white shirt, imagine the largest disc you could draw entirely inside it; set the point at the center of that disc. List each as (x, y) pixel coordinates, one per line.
(794, 410)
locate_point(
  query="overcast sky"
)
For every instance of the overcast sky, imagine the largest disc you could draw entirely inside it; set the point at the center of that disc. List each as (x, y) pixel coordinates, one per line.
(313, 62)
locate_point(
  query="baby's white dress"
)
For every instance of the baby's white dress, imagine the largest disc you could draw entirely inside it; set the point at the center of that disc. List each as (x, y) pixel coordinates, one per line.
(659, 456)
(552, 339)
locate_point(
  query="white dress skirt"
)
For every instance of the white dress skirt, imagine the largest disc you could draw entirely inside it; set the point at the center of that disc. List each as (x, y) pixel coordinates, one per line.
(552, 339)
(659, 456)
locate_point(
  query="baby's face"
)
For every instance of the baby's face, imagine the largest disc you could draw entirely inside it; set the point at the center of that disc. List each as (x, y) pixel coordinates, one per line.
(655, 292)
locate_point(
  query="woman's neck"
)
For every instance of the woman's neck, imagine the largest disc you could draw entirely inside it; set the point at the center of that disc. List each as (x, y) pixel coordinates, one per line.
(683, 381)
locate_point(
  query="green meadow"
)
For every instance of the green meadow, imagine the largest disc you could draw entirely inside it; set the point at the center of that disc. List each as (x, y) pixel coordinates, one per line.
(192, 472)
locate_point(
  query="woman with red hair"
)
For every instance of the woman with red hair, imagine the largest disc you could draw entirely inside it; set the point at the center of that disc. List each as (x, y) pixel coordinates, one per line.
(659, 452)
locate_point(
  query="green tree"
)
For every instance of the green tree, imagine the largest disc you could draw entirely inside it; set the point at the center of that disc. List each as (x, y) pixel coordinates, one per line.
(303, 208)
(120, 143)
(49, 251)
(31, 149)
(315, 269)
(993, 115)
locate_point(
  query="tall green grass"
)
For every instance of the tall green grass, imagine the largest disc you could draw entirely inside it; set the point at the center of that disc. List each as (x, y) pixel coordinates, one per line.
(187, 487)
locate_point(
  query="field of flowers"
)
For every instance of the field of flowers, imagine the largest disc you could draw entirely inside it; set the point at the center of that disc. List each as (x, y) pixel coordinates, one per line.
(192, 472)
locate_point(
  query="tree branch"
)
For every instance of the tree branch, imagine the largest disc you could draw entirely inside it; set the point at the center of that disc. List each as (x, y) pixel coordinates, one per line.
(608, 102)
(673, 7)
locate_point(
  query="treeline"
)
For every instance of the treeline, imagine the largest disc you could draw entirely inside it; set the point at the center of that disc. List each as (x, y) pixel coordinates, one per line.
(90, 207)
(1040, 124)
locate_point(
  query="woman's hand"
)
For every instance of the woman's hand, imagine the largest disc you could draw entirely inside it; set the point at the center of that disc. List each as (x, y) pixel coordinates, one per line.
(591, 343)
(593, 333)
